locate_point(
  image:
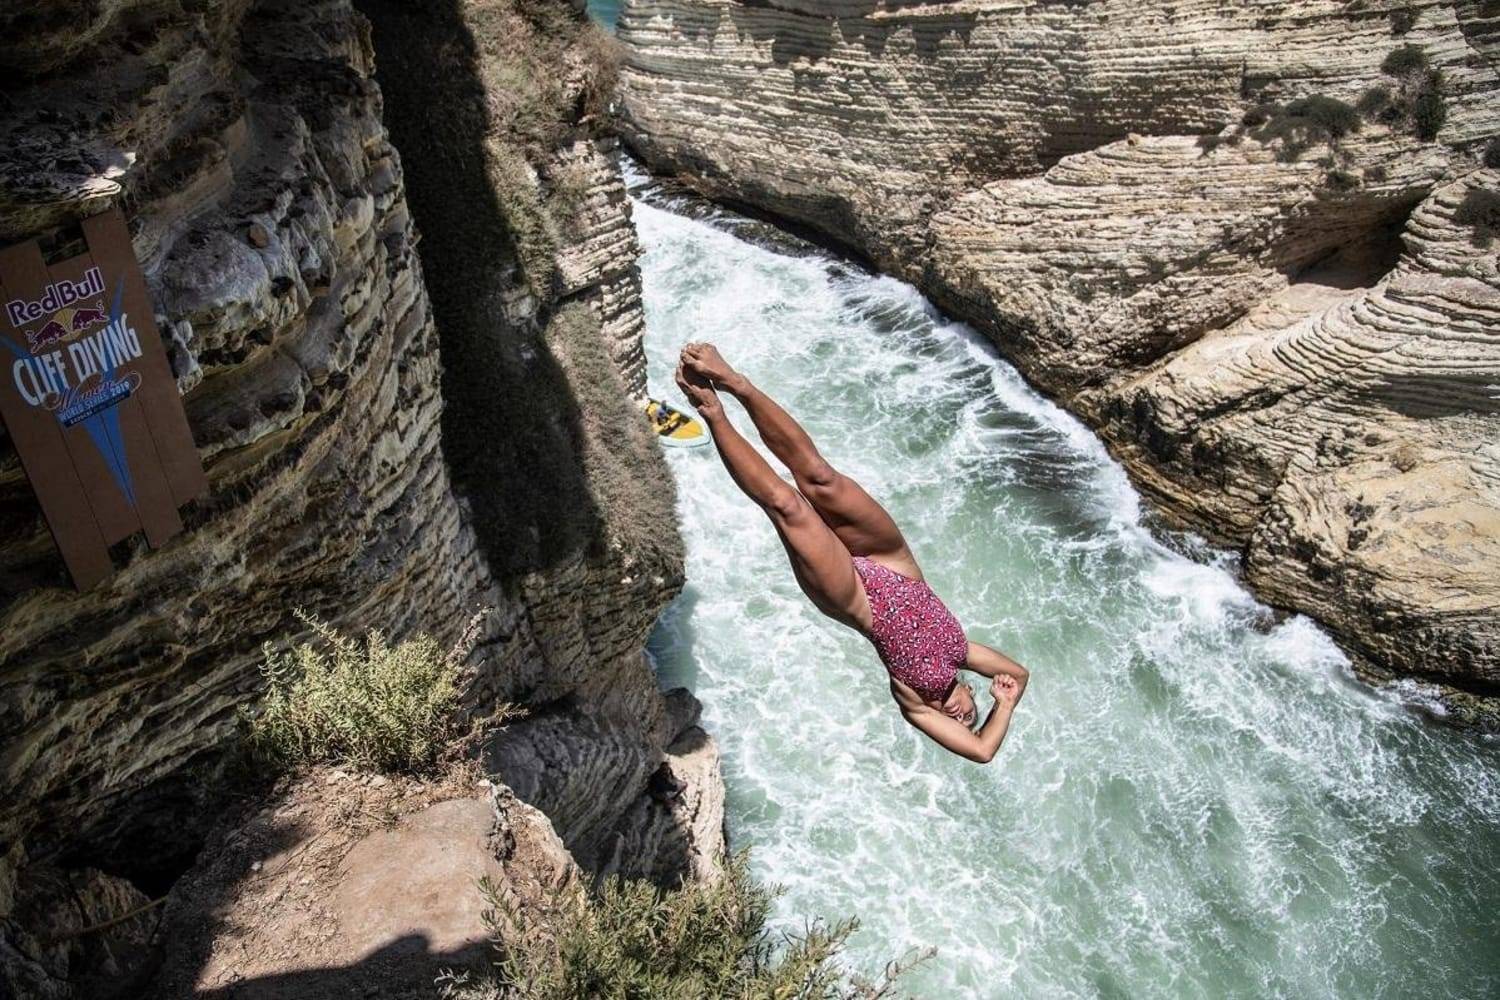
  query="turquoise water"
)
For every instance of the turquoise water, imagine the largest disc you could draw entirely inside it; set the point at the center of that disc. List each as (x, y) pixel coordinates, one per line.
(1195, 800)
(606, 12)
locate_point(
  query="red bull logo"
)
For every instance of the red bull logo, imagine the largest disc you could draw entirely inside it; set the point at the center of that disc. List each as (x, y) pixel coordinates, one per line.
(53, 333)
(85, 317)
(55, 296)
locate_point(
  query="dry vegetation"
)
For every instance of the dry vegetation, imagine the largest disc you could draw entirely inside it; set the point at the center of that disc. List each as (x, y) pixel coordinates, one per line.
(634, 941)
(501, 185)
(365, 704)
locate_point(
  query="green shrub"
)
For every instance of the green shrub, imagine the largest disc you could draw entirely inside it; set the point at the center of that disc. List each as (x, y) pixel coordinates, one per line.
(1374, 101)
(1341, 180)
(1302, 123)
(1491, 155)
(634, 941)
(1407, 59)
(1480, 211)
(1402, 20)
(367, 704)
(1258, 115)
(1428, 111)
(1417, 103)
(1329, 114)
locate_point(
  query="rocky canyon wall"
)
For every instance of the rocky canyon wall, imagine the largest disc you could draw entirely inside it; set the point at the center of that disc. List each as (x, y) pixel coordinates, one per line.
(409, 377)
(1253, 244)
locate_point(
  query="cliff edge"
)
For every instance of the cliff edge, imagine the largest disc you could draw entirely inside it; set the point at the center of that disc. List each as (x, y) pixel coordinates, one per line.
(409, 376)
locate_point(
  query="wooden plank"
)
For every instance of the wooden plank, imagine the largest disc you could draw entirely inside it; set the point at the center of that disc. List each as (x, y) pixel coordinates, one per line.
(90, 400)
(109, 245)
(38, 436)
(112, 508)
(98, 356)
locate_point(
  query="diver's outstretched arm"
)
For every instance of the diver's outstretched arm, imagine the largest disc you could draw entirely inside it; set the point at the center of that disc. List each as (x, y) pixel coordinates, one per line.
(993, 663)
(953, 735)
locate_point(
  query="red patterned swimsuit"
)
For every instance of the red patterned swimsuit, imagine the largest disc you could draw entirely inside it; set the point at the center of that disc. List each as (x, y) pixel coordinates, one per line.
(918, 639)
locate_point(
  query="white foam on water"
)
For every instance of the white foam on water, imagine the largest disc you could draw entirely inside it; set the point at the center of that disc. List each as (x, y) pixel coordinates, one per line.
(1195, 799)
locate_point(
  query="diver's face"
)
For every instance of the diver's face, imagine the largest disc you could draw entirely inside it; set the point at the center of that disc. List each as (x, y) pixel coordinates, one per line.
(960, 705)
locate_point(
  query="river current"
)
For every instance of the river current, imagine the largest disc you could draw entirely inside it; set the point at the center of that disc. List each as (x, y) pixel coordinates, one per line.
(1195, 799)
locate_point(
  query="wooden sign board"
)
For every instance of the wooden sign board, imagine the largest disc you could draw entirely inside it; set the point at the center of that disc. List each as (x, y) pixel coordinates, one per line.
(89, 398)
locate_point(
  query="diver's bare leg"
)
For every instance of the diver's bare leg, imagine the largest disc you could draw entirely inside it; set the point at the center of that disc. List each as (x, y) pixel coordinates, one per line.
(862, 524)
(820, 562)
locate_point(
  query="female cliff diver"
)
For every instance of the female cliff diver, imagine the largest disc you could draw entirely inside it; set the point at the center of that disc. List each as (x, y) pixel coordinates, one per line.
(852, 563)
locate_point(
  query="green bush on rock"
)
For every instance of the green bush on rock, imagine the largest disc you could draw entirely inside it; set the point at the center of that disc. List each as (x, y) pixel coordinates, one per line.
(1329, 115)
(367, 704)
(1428, 111)
(1418, 101)
(1302, 124)
(1404, 60)
(1491, 155)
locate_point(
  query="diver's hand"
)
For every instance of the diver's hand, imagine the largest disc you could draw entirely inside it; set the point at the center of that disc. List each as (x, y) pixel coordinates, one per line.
(704, 359)
(699, 392)
(1006, 690)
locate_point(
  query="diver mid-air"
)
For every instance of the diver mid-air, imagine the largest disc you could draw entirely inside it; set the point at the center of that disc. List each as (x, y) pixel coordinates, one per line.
(853, 564)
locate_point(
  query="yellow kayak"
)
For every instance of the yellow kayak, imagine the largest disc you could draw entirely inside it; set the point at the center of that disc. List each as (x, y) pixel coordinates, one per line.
(674, 428)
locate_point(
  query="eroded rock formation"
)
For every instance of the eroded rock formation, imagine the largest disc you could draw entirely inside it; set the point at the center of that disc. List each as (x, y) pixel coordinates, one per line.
(1251, 243)
(357, 470)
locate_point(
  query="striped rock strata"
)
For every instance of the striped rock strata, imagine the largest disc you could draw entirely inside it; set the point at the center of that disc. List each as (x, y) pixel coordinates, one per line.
(353, 473)
(1250, 243)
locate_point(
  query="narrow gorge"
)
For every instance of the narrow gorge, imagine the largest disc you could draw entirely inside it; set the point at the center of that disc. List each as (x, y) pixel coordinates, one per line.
(1252, 245)
(1168, 331)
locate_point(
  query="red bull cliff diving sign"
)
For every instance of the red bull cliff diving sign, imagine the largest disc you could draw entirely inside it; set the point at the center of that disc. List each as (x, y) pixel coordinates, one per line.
(89, 398)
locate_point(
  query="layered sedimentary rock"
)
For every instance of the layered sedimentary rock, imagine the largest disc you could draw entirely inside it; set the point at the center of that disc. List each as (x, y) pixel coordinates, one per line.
(579, 774)
(526, 232)
(267, 210)
(356, 470)
(1250, 243)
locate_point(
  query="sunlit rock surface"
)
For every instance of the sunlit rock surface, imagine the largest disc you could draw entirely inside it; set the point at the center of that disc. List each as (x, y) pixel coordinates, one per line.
(1252, 244)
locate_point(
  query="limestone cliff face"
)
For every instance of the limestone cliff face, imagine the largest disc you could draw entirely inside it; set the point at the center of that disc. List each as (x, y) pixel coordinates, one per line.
(1250, 243)
(393, 438)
